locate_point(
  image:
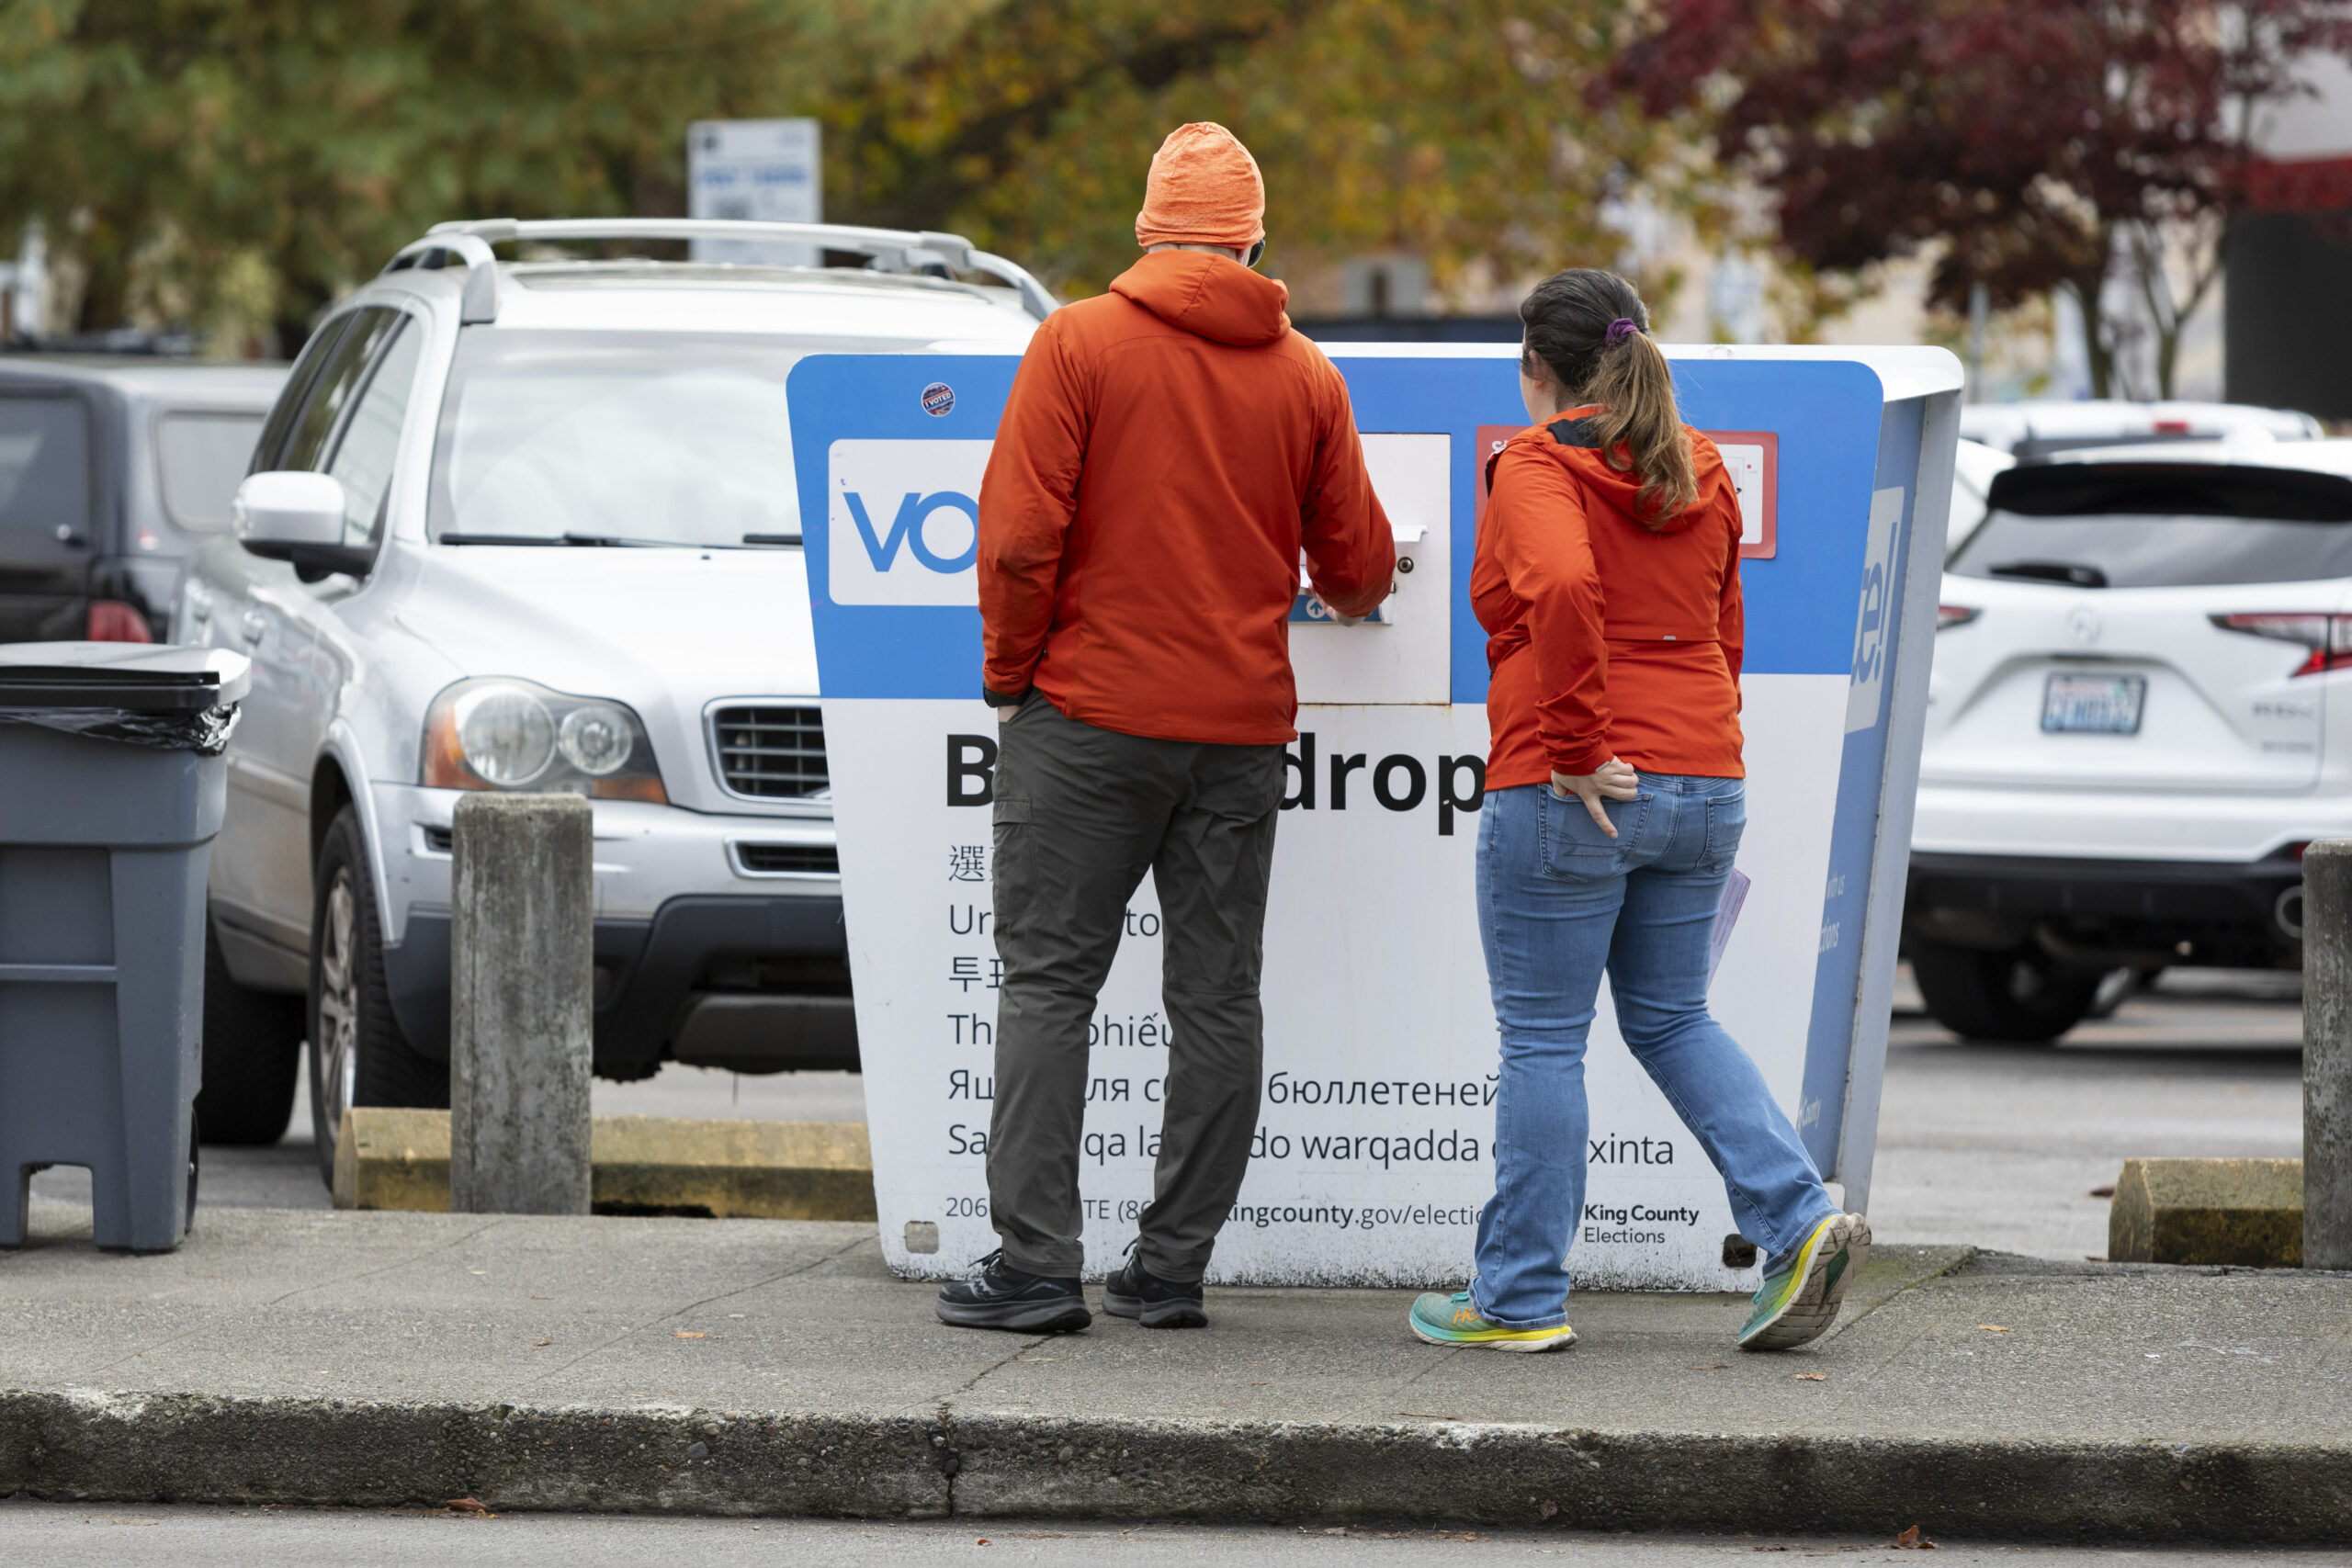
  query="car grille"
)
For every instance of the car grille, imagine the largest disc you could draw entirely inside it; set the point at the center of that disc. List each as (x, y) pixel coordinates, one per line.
(788, 859)
(770, 753)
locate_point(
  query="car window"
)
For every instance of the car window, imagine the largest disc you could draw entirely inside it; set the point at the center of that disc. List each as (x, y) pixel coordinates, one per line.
(44, 474)
(199, 458)
(297, 390)
(2138, 550)
(671, 438)
(2142, 525)
(340, 377)
(371, 437)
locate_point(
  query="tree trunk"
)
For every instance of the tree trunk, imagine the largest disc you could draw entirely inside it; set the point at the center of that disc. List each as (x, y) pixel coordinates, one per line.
(103, 249)
(2098, 349)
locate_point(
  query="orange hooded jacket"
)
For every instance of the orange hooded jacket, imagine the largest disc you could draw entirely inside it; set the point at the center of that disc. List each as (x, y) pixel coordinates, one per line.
(1606, 639)
(1166, 450)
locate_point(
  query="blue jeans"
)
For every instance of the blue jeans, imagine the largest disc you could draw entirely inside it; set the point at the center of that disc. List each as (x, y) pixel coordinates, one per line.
(1559, 901)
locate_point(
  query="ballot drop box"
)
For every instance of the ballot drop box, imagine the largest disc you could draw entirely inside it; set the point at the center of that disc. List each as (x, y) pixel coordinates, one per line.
(1373, 1149)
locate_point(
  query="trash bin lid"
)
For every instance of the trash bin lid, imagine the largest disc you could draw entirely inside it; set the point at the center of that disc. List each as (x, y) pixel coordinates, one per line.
(136, 677)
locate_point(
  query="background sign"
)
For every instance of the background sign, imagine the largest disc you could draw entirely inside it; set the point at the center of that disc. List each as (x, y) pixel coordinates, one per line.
(767, 170)
(1752, 458)
(1373, 1151)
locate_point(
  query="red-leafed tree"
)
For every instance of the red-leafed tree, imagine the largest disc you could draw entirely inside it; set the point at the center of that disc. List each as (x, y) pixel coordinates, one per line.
(2043, 144)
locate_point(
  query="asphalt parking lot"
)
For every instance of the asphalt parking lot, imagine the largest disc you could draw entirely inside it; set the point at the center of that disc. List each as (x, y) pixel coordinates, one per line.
(1999, 1146)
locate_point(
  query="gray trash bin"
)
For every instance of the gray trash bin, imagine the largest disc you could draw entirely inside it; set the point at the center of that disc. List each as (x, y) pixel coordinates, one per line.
(112, 782)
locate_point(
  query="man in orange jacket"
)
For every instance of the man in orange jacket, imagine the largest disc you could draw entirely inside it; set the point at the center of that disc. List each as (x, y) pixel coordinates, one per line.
(1169, 449)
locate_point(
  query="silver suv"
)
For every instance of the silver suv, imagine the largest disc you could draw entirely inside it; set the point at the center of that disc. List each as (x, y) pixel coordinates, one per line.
(533, 524)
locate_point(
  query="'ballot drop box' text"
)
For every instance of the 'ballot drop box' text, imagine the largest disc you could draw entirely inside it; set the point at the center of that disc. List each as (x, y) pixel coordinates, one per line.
(1373, 1148)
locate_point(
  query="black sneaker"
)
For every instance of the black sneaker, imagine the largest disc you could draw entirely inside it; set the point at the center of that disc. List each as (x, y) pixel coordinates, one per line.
(997, 1295)
(1155, 1304)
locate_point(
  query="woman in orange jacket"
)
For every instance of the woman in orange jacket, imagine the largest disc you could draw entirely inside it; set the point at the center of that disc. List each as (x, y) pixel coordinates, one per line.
(1606, 577)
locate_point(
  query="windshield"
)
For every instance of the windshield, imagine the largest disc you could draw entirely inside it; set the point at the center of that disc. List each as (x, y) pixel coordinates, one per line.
(44, 472)
(595, 437)
(2137, 551)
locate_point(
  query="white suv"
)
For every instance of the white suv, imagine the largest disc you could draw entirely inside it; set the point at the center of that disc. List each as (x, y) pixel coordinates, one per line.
(533, 525)
(2140, 714)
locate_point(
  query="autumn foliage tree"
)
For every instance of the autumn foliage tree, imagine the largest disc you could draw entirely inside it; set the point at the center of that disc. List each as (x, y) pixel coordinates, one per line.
(2031, 144)
(1460, 131)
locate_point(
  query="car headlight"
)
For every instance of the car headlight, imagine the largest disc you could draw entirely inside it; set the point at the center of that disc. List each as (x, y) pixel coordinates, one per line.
(505, 734)
(597, 738)
(499, 733)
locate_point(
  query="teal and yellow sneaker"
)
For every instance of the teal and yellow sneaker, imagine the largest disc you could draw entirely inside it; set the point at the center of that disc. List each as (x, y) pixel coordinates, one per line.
(1799, 1302)
(1453, 1320)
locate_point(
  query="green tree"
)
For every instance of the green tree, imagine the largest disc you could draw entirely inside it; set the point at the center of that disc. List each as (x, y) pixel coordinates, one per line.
(243, 157)
(310, 141)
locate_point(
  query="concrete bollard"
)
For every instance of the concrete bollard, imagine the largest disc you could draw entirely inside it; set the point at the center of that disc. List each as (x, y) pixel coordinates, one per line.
(2327, 1054)
(522, 967)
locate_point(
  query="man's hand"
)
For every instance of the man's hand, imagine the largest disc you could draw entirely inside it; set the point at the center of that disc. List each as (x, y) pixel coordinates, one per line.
(1612, 780)
(1325, 605)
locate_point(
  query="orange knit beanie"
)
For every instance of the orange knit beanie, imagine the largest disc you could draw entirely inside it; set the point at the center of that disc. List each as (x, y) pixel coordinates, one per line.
(1203, 190)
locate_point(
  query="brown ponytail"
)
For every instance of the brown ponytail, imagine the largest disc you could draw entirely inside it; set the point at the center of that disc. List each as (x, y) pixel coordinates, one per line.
(1589, 329)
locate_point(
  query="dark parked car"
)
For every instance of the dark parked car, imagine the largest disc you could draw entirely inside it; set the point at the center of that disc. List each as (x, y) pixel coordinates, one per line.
(111, 472)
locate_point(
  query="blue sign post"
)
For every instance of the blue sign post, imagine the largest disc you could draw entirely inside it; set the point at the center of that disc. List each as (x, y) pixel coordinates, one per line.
(1373, 1152)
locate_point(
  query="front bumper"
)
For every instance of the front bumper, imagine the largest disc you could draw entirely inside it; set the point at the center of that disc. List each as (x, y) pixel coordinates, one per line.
(646, 854)
(746, 982)
(2110, 913)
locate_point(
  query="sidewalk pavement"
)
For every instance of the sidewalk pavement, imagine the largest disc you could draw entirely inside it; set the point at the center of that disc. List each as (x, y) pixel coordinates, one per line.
(748, 1367)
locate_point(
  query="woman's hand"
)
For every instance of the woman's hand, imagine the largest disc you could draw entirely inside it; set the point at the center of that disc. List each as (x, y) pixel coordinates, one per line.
(1612, 780)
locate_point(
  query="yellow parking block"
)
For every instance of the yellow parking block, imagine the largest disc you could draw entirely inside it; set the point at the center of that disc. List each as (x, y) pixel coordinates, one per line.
(2245, 1212)
(639, 1164)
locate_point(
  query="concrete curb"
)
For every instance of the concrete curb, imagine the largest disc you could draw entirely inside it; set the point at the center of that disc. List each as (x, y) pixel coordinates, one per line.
(80, 1445)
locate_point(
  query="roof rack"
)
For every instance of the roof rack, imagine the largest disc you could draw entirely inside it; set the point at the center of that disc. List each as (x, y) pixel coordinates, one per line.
(888, 249)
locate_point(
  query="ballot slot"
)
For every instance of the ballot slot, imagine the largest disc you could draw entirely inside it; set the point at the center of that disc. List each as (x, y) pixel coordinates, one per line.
(1398, 654)
(1309, 605)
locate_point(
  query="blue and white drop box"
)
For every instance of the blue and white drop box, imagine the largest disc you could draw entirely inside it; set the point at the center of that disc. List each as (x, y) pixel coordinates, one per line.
(1373, 1150)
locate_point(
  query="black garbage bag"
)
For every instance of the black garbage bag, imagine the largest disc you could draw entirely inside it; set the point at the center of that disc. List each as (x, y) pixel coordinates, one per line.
(167, 698)
(204, 731)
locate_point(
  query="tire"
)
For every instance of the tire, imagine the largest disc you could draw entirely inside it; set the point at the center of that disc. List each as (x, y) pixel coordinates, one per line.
(2017, 996)
(252, 1057)
(358, 1056)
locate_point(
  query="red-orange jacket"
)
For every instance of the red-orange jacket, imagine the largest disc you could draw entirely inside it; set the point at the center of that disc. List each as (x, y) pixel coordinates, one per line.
(1168, 449)
(1606, 639)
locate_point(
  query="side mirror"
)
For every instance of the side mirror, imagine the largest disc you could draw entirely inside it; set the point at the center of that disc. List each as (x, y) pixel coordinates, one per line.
(297, 516)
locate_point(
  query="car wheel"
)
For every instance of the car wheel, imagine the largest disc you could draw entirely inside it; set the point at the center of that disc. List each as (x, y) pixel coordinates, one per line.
(358, 1056)
(253, 1045)
(2017, 995)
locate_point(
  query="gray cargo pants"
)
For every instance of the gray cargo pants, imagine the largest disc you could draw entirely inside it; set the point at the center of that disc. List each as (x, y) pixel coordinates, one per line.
(1081, 814)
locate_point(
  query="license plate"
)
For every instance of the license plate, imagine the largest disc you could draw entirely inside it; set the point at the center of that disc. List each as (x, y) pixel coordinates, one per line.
(2093, 704)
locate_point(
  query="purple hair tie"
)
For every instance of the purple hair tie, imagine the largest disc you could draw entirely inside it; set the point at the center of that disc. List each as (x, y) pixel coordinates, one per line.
(1620, 329)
